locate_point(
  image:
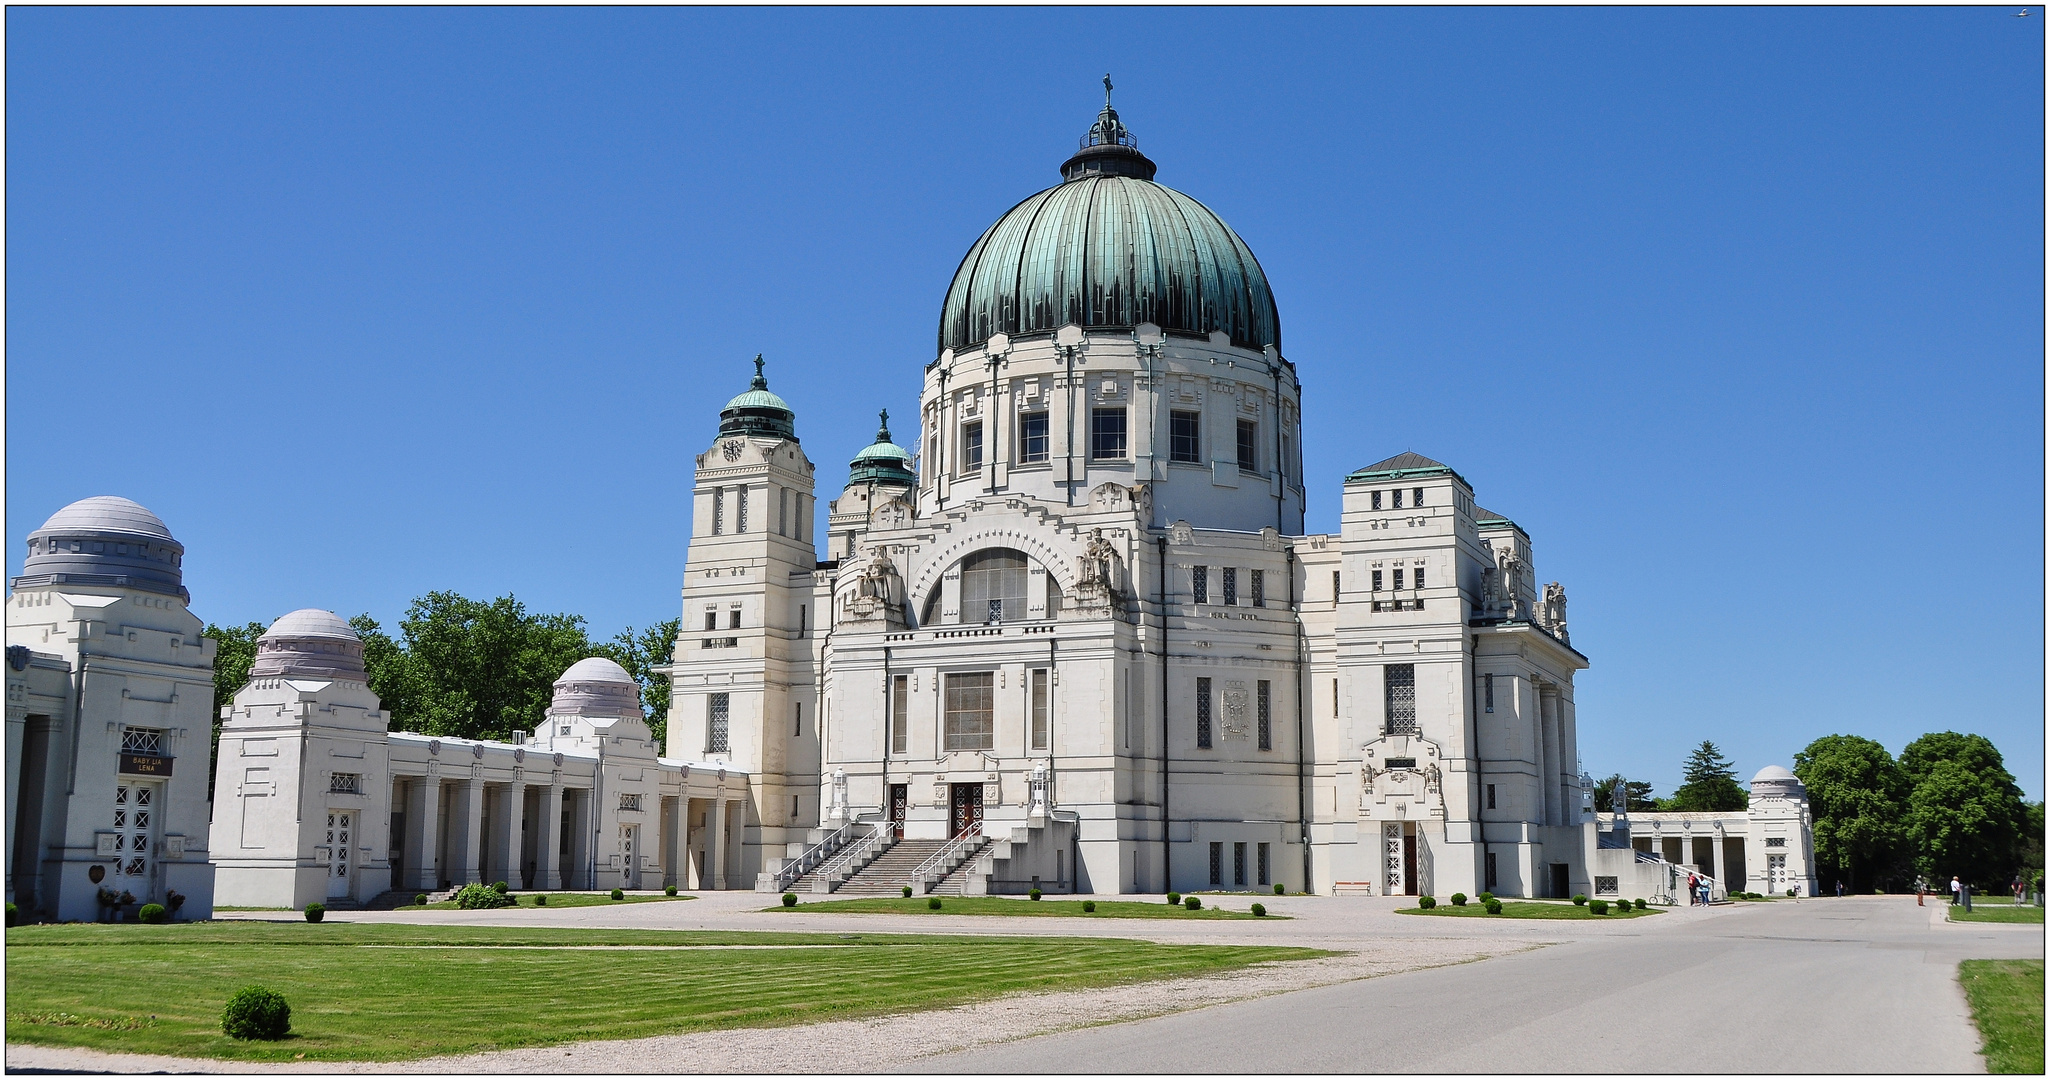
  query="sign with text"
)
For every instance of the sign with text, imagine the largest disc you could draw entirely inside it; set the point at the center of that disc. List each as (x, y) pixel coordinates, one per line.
(145, 765)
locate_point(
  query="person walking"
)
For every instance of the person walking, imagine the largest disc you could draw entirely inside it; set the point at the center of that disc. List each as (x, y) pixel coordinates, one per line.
(1840, 888)
(1955, 886)
(1693, 889)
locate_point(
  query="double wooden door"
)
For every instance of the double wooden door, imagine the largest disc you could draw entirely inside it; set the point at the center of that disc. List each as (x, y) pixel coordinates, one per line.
(967, 810)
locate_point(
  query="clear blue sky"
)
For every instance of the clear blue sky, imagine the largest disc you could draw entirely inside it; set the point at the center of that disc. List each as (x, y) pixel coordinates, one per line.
(1738, 312)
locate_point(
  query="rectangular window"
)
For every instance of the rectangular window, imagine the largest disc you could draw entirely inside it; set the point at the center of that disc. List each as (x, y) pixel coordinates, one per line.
(715, 723)
(740, 509)
(1775, 841)
(782, 511)
(1491, 796)
(630, 802)
(800, 620)
(1265, 708)
(718, 511)
(1488, 682)
(1249, 446)
(1107, 434)
(1399, 681)
(1334, 697)
(1377, 499)
(1398, 577)
(1039, 717)
(711, 618)
(1216, 862)
(1259, 584)
(1185, 437)
(797, 719)
(1377, 581)
(1231, 586)
(1334, 586)
(900, 714)
(1238, 864)
(1419, 577)
(1032, 441)
(1395, 499)
(1491, 871)
(146, 742)
(1287, 456)
(345, 783)
(1199, 583)
(1265, 873)
(1202, 714)
(971, 447)
(971, 711)
(1417, 498)
(733, 619)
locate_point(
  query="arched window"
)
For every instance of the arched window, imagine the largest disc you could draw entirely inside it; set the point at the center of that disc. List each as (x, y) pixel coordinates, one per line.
(993, 586)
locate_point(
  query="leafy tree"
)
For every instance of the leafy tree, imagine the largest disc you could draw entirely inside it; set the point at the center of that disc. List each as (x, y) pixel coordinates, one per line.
(1709, 783)
(234, 652)
(1856, 794)
(2029, 852)
(390, 670)
(1636, 792)
(640, 653)
(1965, 813)
(477, 669)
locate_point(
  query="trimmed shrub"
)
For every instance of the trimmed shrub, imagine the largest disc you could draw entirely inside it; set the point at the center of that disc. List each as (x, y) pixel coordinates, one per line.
(1034, 894)
(1640, 903)
(1174, 898)
(314, 912)
(471, 897)
(156, 913)
(1088, 907)
(790, 899)
(1599, 907)
(1193, 903)
(1459, 899)
(1259, 911)
(1427, 902)
(932, 903)
(1278, 889)
(669, 890)
(1580, 898)
(1494, 906)
(499, 887)
(256, 1013)
(907, 890)
(1485, 897)
(619, 894)
(420, 898)
(541, 900)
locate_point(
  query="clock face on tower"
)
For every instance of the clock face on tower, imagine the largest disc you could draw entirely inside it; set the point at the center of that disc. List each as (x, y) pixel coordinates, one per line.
(732, 450)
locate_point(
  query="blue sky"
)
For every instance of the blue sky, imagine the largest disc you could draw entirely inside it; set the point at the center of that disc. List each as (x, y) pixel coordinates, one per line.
(1738, 312)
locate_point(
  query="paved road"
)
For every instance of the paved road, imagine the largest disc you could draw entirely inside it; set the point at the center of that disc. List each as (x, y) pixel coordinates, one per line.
(1854, 985)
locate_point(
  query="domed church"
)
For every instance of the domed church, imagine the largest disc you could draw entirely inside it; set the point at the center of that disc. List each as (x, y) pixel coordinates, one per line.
(1073, 636)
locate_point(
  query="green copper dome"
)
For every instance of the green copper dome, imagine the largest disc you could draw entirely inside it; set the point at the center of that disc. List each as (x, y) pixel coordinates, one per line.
(1109, 248)
(883, 461)
(758, 412)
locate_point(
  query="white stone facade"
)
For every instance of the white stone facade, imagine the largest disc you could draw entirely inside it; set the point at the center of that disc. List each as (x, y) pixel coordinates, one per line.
(1768, 847)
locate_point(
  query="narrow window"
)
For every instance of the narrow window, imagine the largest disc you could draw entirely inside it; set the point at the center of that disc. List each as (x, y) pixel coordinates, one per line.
(1334, 586)
(715, 723)
(1395, 499)
(900, 714)
(1417, 497)
(1398, 577)
(1259, 584)
(1249, 446)
(1419, 577)
(1202, 714)
(782, 511)
(1489, 683)
(1231, 586)
(1264, 873)
(1238, 864)
(800, 620)
(1266, 714)
(971, 447)
(1377, 581)
(733, 619)
(1287, 455)
(1032, 441)
(1185, 437)
(796, 719)
(1039, 726)
(740, 509)
(1491, 796)
(1399, 681)
(718, 511)
(1491, 870)
(1107, 434)
(711, 618)
(1216, 862)
(1377, 500)
(1334, 697)
(793, 806)
(971, 711)
(1199, 583)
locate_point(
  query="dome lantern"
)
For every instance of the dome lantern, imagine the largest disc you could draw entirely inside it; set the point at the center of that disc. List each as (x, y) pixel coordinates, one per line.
(758, 412)
(1109, 149)
(882, 461)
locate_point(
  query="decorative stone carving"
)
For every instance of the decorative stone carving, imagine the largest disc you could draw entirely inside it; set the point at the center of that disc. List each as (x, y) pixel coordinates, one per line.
(1552, 611)
(1181, 533)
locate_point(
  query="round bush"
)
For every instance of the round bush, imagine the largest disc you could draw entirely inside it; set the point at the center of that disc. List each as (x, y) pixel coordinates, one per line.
(669, 890)
(472, 897)
(1088, 906)
(618, 894)
(1174, 898)
(541, 900)
(316, 912)
(932, 902)
(1427, 902)
(1599, 907)
(1277, 888)
(907, 890)
(256, 1013)
(1459, 899)
(499, 887)
(155, 913)
(1259, 911)
(790, 899)
(420, 898)
(1494, 906)
(1485, 897)
(1035, 894)
(1193, 903)
(1580, 898)
(1640, 903)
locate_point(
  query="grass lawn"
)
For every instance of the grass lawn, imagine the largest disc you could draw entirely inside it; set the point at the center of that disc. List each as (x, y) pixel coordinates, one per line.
(387, 992)
(2003, 909)
(2007, 1005)
(1526, 909)
(555, 900)
(998, 905)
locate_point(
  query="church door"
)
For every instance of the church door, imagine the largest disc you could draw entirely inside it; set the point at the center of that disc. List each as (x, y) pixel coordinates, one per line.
(134, 835)
(1409, 877)
(900, 798)
(967, 815)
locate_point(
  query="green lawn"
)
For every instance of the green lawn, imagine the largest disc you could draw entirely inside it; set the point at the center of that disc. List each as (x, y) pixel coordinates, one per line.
(557, 900)
(387, 992)
(1526, 909)
(2000, 910)
(2007, 1005)
(998, 905)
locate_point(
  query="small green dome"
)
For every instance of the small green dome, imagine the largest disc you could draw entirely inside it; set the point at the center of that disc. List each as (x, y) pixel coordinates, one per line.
(883, 461)
(758, 412)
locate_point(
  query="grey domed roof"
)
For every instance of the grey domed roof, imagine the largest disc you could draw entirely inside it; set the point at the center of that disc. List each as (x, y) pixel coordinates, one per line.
(309, 643)
(1774, 772)
(1109, 248)
(596, 669)
(105, 540)
(595, 686)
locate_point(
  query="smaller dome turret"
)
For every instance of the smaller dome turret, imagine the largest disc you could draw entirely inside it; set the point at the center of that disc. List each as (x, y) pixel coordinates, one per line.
(758, 412)
(596, 687)
(1777, 782)
(312, 644)
(882, 461)
(105, 540)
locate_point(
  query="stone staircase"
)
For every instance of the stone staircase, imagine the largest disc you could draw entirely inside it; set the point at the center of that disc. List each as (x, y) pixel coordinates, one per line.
(955, 883)
(887, 873)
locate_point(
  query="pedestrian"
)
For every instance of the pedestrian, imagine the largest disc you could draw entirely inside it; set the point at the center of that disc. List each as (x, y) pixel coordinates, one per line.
(1954, 887)
(1693, 889)
(1840, 888)
(2017, 887)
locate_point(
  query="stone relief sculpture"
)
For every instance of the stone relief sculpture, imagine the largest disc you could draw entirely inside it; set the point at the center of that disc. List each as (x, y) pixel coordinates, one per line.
(1552, 611)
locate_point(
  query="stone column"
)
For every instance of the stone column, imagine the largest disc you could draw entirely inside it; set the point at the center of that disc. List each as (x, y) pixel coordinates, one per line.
(715, 842)
(423, 832)
(466, 827)
(577, 875)
(502, 852)
(675, 851)
(1715, 856)
(1548, 732)
(548, 839)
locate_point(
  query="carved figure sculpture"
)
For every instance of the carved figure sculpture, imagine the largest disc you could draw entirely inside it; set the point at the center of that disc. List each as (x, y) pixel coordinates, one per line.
(1552, 614)
(1509, 573)
(1099, 560)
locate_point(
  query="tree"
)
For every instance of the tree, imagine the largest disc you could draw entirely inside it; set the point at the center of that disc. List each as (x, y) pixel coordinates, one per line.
(1965, 813)
(1709, 783)
(639, 653)
(234, 653)
(477, 670)
(1636, 792)
(1856, 795)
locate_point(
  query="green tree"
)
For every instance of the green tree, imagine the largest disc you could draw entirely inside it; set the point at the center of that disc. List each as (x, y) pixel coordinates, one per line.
(474, 669)
(640, 653)
(1636, 792)
(1856, 796)
(1965, 813)
(234, 652)
(1708, 783)
(389, 668)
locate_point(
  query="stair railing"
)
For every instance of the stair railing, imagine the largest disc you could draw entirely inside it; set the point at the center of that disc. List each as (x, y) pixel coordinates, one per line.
(813, 856)
(854, 854)
(922, 878)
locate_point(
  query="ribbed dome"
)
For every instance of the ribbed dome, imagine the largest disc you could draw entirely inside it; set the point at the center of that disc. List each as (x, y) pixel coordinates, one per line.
(595, 686)
(1109, 248)
(105, 540)
(758, 412)
(882, 461)
(309, 643)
